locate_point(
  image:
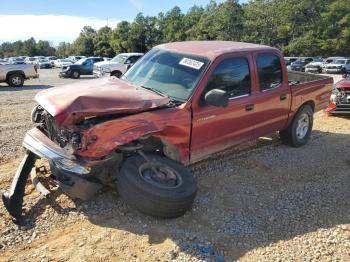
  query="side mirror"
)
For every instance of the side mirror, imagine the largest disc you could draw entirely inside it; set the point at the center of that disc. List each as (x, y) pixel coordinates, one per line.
(216, 97)
(127, 62)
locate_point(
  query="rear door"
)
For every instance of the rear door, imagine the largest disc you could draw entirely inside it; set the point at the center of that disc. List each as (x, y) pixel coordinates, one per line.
(272, 98)
(217, 128)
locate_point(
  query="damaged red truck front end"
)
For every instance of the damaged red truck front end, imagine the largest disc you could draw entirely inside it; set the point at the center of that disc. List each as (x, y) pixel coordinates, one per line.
(340, 99)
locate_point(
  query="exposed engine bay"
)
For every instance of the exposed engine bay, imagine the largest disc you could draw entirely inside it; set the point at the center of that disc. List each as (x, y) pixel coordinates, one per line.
(65, 138)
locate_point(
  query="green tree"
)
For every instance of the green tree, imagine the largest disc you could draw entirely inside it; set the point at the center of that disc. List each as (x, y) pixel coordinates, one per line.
(102, 42)
(84, 44)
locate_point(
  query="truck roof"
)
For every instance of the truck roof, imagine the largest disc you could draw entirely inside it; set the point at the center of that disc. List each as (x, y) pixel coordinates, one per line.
(212, 49)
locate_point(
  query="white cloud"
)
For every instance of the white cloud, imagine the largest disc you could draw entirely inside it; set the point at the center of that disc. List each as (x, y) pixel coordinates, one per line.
(54, 28)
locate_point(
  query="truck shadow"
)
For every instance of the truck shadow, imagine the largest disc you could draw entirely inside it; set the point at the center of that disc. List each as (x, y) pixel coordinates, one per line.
(248, 198)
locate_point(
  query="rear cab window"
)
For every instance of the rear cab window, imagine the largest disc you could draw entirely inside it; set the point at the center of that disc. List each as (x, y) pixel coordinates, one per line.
(270, 73)
(232, 75)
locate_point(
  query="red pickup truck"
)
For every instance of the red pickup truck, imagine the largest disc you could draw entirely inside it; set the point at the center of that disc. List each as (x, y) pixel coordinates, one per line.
(177, 105)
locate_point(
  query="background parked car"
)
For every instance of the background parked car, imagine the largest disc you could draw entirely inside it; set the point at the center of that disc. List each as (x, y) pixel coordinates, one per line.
(289, 60)
(83, 67)
(44, 63)
(118, 65)
(315, 67)
(30, 60)
(16, 61)
(298, 65)
(338, 66)
(62, 63)
(52, 60)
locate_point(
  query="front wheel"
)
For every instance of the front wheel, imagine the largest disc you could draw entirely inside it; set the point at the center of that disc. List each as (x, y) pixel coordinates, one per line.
(299, 131)
(159, 187)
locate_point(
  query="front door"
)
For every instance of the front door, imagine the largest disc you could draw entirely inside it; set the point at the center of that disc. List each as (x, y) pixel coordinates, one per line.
(217, 128)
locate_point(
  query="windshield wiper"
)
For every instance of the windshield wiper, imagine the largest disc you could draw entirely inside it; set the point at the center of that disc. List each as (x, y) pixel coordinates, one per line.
(155, 91)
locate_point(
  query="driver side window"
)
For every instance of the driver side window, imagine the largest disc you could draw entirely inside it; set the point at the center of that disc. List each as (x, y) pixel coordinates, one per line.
(231, 75)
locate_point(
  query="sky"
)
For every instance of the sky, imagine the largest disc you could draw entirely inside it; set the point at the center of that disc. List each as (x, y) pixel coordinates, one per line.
(62, 20)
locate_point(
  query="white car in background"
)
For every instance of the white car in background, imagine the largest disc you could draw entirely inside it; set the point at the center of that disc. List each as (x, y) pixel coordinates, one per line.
(117, 66)
(341, 65)
(62, 63)
(30, 60)
(315, 66)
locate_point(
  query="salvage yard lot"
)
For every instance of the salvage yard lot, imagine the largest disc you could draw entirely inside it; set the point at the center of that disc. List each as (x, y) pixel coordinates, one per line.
(261, 201)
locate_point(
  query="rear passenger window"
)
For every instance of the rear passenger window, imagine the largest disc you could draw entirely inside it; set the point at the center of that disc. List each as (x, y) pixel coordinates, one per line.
(232, 76)
(269, 71)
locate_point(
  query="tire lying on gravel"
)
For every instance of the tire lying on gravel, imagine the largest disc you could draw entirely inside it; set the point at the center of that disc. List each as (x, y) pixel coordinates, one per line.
(299, 130)
(168, 190)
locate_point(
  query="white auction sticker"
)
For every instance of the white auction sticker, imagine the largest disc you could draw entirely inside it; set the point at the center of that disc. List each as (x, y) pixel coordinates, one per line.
(191, 63)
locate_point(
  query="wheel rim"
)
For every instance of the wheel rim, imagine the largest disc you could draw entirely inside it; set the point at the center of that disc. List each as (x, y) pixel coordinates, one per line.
(75, 74)
(16, 80)
(160, 175)
(303, 125)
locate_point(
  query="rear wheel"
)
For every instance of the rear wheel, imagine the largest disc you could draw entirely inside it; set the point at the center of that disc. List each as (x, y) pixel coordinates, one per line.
(299, 131)
(159, 187)
(15, 80)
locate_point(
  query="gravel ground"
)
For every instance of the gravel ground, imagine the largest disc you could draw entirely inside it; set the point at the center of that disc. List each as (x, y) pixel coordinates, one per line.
(262, 201)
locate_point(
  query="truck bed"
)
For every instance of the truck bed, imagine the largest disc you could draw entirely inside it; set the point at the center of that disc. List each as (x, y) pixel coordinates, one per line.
(296, 77)
(310, 87)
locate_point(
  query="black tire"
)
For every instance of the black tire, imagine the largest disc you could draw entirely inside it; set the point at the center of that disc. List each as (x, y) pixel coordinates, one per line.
(343, 71)
(15, 80)
(156, 200)
(75, 74)
(117, 74)
(291, 136)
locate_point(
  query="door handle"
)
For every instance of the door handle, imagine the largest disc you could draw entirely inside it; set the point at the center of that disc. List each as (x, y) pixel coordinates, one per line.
(249, 107)
(283, 97)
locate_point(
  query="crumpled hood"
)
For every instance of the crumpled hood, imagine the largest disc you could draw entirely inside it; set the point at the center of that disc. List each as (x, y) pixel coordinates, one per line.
(72, 103)
(344, 83)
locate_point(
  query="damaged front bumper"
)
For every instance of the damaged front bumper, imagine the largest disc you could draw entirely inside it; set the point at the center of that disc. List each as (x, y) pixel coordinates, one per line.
(71, 174)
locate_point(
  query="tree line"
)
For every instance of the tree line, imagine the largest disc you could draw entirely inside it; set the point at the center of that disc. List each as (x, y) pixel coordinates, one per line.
(297, 27)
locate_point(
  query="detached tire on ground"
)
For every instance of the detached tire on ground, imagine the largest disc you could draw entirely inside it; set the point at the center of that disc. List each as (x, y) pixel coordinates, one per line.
(167, 190)
(299, 131)
(15, 80)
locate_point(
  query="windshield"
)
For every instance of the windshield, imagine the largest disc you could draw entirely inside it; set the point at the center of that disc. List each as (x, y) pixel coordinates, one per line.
(120, 59)
(65, 61)
(172, 74)
(43, 60)
(340, 61)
